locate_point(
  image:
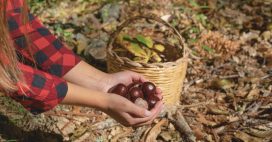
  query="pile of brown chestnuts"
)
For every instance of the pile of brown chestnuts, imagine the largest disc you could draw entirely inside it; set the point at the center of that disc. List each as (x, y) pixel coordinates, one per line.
(141, 94)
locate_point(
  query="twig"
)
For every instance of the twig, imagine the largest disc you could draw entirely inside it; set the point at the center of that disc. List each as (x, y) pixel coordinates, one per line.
(184, 128)
(195, 105)
(215, 135)
(230, 76)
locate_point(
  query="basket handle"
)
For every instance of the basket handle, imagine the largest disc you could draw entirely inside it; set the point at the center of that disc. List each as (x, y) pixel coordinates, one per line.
(148, 16)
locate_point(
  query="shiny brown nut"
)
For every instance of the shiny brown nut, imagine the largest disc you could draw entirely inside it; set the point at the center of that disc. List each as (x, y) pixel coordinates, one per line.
(135, 93)
(148, 89)
(134, 84)
(152, 101)
(119, 89)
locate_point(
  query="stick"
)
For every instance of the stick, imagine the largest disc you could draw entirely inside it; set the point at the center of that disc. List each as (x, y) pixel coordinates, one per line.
(184, 128)
(194, 105)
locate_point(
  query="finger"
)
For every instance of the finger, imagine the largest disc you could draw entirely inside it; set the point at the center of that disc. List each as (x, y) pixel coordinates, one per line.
(136, 77)
(158, 93)
(158, 90)
(141, 112)
(151, 120)
(138, 111)
(157, 106)
(155, 111)
(127, 120)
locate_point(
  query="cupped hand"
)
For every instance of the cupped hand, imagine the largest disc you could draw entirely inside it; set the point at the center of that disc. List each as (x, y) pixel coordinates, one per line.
(129, 114)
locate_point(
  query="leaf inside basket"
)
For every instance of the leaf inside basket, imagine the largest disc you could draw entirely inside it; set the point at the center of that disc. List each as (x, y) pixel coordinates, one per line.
(145, 49)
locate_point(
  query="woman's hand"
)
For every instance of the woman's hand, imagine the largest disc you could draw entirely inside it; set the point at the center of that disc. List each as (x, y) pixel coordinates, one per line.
(125, 77)
(122, 109)
(129, 114)
(118, 107)
(89, 77)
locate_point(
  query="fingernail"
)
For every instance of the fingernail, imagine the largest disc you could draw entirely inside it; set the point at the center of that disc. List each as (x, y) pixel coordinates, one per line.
(147, 113)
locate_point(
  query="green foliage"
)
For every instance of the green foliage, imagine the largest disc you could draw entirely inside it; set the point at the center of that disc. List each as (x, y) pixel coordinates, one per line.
(136, 50)
(142, 47)
(147, 41)
(202, 18)
(207, 48)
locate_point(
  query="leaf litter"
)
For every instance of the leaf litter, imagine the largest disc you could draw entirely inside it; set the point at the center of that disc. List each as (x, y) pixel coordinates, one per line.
(228, 77)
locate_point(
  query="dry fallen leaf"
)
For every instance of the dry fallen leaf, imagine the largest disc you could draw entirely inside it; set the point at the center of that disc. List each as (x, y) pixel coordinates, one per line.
(201, 118)
(155, 131)
(246, 138)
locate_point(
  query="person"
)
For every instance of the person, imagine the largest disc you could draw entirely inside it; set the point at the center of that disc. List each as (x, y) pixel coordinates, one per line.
(40, 72)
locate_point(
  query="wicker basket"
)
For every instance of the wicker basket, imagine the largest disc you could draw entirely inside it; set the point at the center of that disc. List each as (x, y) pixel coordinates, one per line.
(168, 76)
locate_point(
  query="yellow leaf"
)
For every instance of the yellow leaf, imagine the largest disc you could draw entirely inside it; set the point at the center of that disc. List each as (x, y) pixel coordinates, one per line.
(140, 60)
(136, 50)
(159, 47)
(155, 57)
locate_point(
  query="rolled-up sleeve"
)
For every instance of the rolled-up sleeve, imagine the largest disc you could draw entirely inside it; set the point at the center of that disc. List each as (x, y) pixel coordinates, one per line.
(51, 58)
(42, 92)
(50, 54)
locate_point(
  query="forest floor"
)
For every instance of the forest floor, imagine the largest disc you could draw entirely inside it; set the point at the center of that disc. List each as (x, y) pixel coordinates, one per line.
(227, 93)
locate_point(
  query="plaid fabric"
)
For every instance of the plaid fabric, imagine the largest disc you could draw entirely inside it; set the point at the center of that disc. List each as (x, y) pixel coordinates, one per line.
(51, 56)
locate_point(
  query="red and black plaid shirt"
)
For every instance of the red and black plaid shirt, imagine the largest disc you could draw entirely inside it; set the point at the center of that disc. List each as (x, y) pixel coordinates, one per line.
(53, 60)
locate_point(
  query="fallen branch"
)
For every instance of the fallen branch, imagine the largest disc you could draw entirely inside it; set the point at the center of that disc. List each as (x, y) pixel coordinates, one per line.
(183, 127)
(195, 105)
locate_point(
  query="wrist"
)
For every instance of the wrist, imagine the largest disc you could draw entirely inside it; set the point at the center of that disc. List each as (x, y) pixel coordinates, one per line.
(104, 104)
(82, 96)
(87, 76)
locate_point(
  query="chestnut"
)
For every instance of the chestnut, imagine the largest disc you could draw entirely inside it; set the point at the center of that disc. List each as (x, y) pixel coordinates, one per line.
(148, 89)
(152, 100)
(151, 103)
(134, 84)
(135, 93)
(119, 89)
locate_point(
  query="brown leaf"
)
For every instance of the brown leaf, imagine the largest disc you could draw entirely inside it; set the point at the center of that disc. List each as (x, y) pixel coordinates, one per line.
(216, 109)
(253, 95)
(155, 131)
(246, 138)
(198, 132)
(260, 133)
(201, 118)
(122, 134)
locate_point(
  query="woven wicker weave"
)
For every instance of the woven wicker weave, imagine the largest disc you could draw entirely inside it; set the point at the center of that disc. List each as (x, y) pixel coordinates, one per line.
(168, 76)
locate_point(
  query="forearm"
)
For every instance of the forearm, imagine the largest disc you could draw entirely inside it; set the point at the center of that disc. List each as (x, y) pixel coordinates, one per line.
(81, 96)
(87, 76)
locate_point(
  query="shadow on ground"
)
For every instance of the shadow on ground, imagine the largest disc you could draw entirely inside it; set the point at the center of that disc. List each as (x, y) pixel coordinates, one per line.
(11, 132)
